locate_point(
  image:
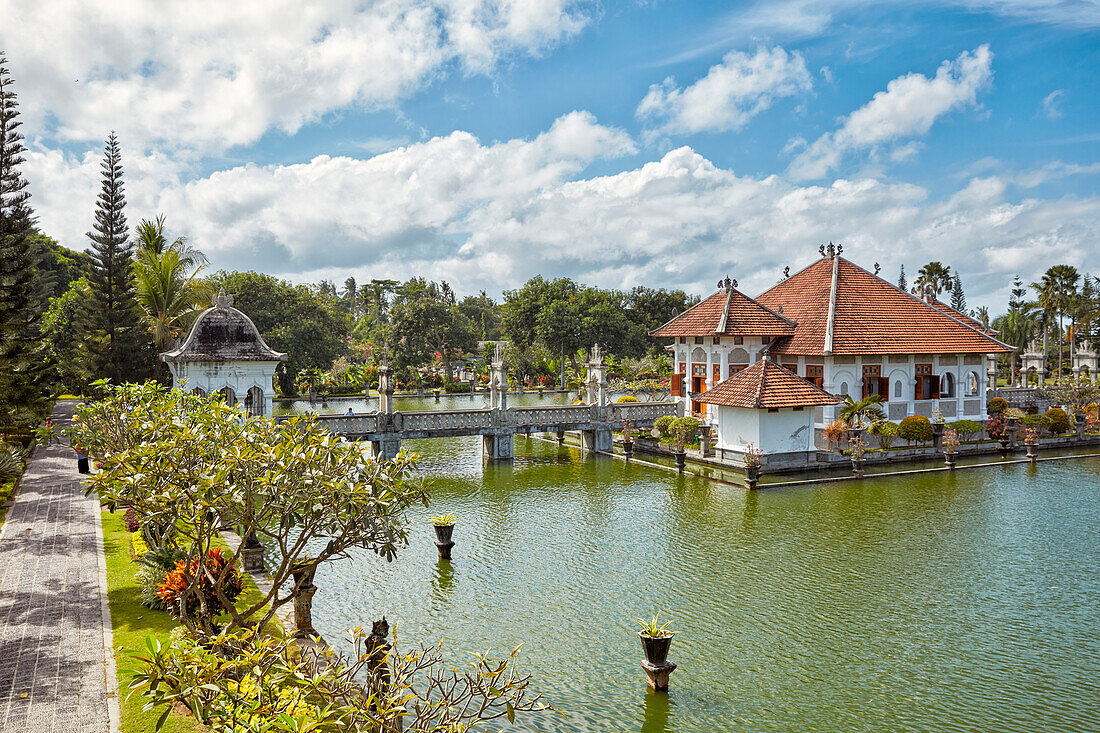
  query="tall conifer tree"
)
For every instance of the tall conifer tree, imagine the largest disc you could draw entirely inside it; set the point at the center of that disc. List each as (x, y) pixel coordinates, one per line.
(958, 297)
(22, 368)
(902, 283)
(121, 353)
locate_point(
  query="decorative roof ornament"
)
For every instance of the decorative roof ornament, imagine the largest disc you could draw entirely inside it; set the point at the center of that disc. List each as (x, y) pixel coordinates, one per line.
(727, 284)
(878, 267)
(821, 249)
(830, 251)
(839, 249)
(221, 300)
(786, 272)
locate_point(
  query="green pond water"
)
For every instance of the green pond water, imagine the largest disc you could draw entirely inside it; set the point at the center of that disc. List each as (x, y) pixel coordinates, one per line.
(935, 602)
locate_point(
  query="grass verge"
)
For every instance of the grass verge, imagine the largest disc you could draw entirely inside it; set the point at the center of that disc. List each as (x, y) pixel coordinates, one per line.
(7, 490)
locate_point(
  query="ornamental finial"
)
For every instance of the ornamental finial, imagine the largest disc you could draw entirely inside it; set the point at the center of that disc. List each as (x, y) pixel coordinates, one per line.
(221, 300)
(831, 250)
(821, 249)
(787, 271)
(839, 249)
(877, 268)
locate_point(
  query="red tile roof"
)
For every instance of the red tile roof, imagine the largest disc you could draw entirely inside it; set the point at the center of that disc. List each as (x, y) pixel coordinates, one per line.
(746, 317)
(972, 322)
(766, 384)
(871, 317)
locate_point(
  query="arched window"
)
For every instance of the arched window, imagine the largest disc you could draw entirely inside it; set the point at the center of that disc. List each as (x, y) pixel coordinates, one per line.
(897, 389)
(228, 395)
(843, 389)
(254, 402)
(972, 384)
(199, 391)
(947, 385)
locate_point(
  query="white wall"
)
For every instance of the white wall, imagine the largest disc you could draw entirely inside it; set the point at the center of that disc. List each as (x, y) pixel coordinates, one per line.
(240, 376)
(785, 431)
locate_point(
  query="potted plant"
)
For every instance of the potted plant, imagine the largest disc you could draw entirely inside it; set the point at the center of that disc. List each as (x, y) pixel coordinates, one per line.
(656, 639)
(628, 443)
(950, 447)
(752, 461)
(938, 425)
(857, 448)
(680, 456)
(444, 526)
(1013, 415)
(1031, 441)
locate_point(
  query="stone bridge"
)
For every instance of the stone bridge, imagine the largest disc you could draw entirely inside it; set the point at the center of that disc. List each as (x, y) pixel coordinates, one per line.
(498, 424)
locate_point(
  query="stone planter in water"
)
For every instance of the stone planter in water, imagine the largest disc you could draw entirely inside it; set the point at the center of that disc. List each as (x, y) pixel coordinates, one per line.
(443, 541)
(752, 474)
(1032, 452)
(680, 458)
(857, 467)
(950, 458)
(628, 448)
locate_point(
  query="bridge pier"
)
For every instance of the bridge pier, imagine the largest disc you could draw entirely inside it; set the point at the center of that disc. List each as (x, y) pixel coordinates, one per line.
(594, 441)
(498, 446)
(385, 449)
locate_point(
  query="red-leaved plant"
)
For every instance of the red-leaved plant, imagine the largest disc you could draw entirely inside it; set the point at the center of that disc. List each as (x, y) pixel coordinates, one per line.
(204, 600)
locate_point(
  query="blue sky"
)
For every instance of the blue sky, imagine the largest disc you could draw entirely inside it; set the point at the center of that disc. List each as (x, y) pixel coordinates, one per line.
(655, 143)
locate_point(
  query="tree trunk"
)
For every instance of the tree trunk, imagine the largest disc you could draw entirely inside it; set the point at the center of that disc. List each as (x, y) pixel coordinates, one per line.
(1046, 357)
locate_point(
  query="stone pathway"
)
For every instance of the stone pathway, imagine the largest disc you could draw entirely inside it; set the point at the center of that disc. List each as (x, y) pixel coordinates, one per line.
(54, 619)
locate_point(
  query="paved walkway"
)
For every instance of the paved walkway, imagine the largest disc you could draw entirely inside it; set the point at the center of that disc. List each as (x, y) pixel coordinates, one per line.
(53, 669)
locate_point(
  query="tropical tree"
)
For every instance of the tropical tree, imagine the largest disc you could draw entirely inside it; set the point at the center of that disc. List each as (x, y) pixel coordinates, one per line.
(1016, 328)
(21, 364)
(866, 411)
(1055, 290)
(958, 297)
(169, 290)
(936, 276)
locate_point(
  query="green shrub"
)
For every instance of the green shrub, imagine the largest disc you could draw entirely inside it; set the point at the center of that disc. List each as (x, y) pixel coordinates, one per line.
(11, 462)
(149, 579)
(687, 425)
(664, 425)
(626, 398)
(1059, 420)
(458, 388)
(966, 429)
(885, 431)
(915, 429)
(997, 405)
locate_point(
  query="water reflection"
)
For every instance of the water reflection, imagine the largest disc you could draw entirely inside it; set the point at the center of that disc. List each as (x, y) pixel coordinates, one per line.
(658, 711)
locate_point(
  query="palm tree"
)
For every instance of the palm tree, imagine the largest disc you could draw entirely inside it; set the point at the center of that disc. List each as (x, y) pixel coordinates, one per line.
(169, 291)
(1017, 328)
(936, 276)
(1055, 290)
(867, 410)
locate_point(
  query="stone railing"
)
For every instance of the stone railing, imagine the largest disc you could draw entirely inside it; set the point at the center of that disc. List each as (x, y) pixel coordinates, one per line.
(557, 415)
(349, 424)
(635, 412)
(446, 420)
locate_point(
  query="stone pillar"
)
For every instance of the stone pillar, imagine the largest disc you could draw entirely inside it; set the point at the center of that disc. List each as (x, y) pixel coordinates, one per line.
(598, 440)
(597, 379)
(498, 382)
(498, 446)
(385, 386)
(303, 603)
(385, 449)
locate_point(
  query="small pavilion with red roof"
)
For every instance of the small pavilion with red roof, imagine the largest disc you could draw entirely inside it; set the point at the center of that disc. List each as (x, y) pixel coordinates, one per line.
(843, 330)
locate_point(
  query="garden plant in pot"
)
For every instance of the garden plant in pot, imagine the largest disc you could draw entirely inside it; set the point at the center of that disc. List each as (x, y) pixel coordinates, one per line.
(444, 527)
(752, 460)
(628, 442)
(950, 447)
(1031, 441)
(656, 639)
(857, 448)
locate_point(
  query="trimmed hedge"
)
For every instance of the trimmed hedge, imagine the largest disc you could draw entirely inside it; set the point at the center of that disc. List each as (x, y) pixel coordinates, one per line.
(664, 424)
(915, 429)
(1059, 421)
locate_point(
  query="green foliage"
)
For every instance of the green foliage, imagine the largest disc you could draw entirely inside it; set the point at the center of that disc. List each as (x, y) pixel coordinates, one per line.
(59, 267)
(867, 410)
(192, 464)
(62, 326)
(22, 365)
(1038, 422)
(149, 580)
(997, 405)
(443, 520)
(12, 458)
(685, 426)
(885, 432)
(664, 425)
(308, 325)
(966, 429)
(625, 398)
(119, 348)
(654, 628)
(425, 320)
(254, 683)
(1058, 420)
(915, 429)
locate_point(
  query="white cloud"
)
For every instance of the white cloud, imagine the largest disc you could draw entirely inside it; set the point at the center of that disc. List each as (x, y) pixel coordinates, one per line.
(908, 107)
(1049, 106)
(493, 215)
(205, 75)
(732, 93)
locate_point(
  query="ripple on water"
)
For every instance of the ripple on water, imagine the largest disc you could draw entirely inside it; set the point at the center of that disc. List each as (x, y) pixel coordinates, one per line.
(928, 603)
